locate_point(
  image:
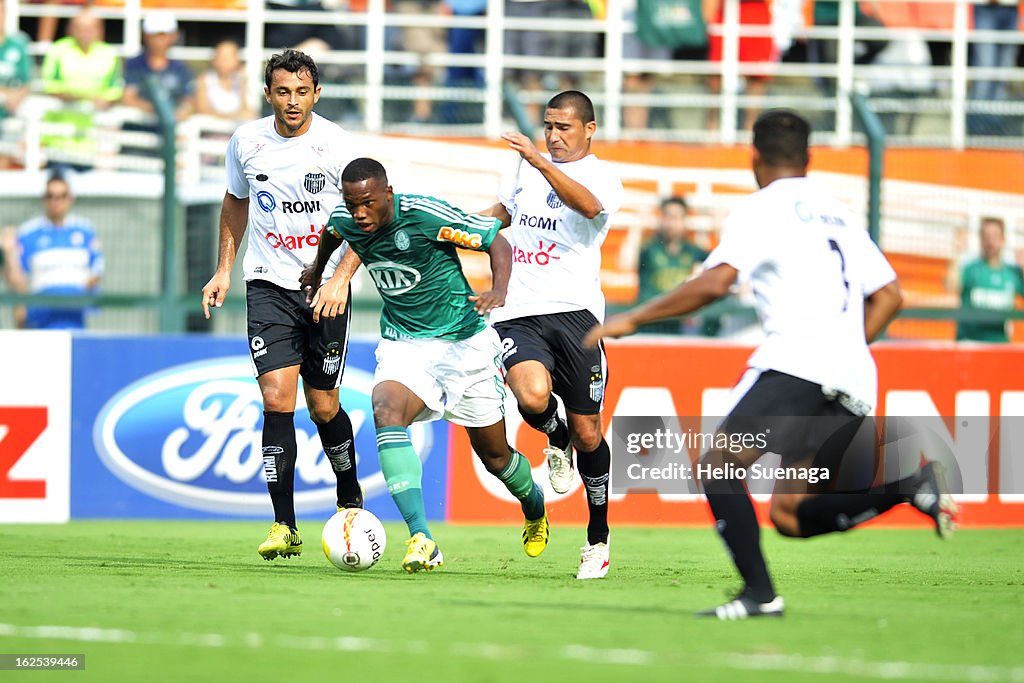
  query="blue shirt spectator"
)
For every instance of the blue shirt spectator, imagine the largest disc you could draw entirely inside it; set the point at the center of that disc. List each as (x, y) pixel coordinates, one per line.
(159, 33)
(57, 253)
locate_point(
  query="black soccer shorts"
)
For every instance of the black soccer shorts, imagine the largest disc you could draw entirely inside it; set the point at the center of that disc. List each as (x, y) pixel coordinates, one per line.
(282, 334)
(578, 375)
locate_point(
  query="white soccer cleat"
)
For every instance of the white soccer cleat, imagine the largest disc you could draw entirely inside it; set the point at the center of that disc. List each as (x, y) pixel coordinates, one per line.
(560, 469)
(593, 561)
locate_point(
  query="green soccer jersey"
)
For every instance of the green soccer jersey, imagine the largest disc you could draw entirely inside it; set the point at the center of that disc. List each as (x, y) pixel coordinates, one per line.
(415, 266)
(995, 289)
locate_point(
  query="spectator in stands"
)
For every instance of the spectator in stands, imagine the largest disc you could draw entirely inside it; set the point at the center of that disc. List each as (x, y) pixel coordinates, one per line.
(752, 50)
(423, 41)
(281, 36)
(81, 68)
(554, 45)
(221, 89)
(992, 15)
(15, 67)
(463, 41)
(667, 259)
(159, 34)
(989, 283)
(57, 253)
(84, 74)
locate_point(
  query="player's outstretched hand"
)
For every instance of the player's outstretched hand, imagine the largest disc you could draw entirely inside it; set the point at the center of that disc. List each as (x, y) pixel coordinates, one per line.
(524, 145)
(329, 301)
(487, 301)
(215, 291)
(619, 325)
(306, 283)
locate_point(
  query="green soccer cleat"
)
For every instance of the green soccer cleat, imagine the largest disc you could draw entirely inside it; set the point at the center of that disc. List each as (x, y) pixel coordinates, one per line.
(281, 542)
(422, 554)
(535, 536)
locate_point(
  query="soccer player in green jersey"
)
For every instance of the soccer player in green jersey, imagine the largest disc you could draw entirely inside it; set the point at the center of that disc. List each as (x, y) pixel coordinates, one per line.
(437, 357)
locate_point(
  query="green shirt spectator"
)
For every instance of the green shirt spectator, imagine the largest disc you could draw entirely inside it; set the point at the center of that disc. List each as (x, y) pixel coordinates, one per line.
(81, 66)
(15, 69)
(989, 283)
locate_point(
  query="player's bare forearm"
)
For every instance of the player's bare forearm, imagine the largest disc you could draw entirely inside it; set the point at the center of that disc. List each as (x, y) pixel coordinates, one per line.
(234, 215)
(498, 211)
(709, 286)
(313, 273)
(500, 254)
(880, 308)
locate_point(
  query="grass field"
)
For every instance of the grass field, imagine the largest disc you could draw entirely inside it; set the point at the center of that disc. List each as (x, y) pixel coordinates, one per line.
(189, 601)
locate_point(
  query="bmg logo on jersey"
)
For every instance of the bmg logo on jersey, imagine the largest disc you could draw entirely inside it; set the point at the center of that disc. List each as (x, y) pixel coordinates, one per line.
(314, 181)
(459, 237)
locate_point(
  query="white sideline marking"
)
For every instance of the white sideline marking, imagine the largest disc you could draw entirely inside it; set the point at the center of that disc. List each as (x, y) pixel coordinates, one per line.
(973, 673)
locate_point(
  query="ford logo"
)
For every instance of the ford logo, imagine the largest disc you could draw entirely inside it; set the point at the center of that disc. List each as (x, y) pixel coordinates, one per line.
(191, 435)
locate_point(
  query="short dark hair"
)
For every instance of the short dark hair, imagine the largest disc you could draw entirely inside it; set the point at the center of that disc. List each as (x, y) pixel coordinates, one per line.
(294, 62)
(575, 100)
(676, 199)
(362, 169)
(780, 137)
(993, 220)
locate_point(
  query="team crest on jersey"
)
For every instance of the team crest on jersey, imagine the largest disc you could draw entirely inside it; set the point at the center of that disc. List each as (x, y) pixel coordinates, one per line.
(554, 201)
(314, 181)
(402, 240)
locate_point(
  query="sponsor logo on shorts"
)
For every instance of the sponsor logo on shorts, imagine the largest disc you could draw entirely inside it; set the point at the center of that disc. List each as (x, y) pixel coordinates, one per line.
(402, 240)
(314, 181)
(258, 347)
(266, 201)
(508, 348)
(554, 201)
(459, 237)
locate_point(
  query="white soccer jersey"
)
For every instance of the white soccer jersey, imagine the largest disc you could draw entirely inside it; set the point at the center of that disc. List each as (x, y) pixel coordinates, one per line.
(556, 252)
(292, 185)
(811, 264)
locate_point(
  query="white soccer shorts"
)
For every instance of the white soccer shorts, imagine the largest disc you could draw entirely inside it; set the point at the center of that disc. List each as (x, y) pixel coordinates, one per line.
(459, 381)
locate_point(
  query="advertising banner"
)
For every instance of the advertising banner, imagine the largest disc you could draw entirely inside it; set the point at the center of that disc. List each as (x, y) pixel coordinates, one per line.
(170, 427)
(966, 405)
(35, 419)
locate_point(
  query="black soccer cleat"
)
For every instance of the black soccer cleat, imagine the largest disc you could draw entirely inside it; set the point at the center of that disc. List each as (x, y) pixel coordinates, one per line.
(931, 497)
(744, 607)
(354, 501)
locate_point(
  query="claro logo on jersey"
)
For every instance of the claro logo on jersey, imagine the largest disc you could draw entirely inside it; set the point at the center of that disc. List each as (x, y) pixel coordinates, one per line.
(291, 242)
(393, 278)
(459, 237)
(541, 257)
(191, 435)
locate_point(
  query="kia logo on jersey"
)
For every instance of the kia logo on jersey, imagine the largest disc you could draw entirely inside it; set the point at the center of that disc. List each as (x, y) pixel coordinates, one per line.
(314, 181)
(192, 435)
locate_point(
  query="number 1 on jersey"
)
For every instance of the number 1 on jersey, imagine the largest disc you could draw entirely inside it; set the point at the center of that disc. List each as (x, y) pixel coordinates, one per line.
(842, 268)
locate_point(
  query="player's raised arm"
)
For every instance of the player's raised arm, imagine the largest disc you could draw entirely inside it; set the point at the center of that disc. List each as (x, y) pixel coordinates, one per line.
(234, 216)
(573, 194)
(500, 254)
(711, 285)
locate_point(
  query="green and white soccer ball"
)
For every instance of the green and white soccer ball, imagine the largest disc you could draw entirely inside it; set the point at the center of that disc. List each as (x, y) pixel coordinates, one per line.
(353, 540)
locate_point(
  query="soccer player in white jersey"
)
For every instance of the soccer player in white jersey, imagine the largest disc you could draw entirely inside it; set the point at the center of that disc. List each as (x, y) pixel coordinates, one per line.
(823, 291)
(558, 213)
(284, 178)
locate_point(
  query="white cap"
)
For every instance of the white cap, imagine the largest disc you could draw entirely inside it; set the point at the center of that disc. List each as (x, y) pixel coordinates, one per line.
(160, 21)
